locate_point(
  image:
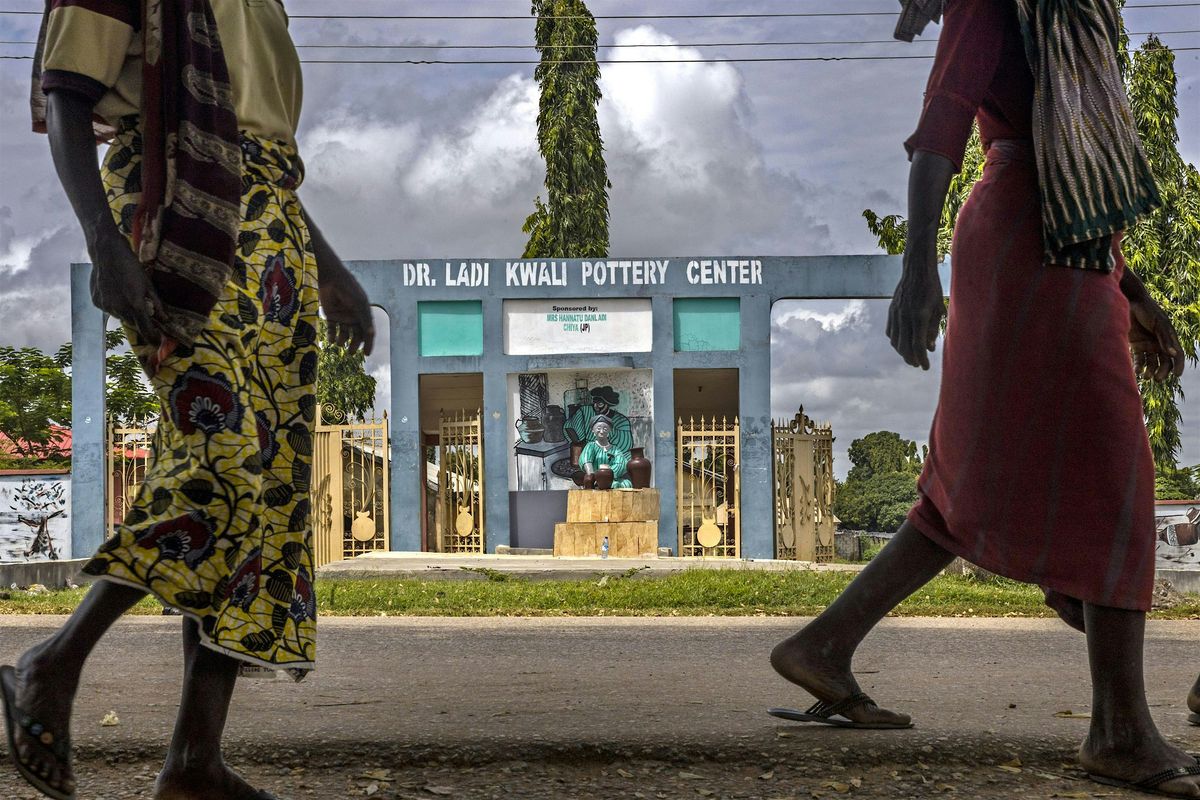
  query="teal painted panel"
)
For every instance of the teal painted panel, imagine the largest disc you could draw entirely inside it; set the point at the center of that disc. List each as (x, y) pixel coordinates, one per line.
(451, 328)
(706, 324)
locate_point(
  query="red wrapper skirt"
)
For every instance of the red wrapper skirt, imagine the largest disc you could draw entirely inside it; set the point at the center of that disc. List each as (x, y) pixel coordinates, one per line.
(1039, 465)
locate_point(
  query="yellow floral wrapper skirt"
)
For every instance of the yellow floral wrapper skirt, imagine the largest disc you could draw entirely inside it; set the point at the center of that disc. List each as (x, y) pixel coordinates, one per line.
(220, 528)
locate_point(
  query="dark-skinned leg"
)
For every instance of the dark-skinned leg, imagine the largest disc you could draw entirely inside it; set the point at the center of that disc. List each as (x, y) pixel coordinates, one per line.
(195, 768)
(819, 657)
(48, 673)
(1193, 700)
(1123, 742)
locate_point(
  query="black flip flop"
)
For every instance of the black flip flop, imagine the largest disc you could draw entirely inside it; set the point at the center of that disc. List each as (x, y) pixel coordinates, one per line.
(1150, 785)
(1194, 719)
(58, 747)
(835, 714)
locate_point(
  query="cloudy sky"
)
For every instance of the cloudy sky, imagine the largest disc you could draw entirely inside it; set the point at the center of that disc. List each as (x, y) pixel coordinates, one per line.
(412, 161)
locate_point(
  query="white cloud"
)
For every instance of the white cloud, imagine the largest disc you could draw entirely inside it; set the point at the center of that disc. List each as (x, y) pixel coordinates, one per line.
(852, 315)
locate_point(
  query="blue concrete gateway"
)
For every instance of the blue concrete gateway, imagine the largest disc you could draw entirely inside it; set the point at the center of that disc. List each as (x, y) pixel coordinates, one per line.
(648, 339)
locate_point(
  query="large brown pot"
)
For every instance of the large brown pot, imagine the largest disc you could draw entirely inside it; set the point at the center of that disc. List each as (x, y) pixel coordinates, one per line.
(604, 479)
(639, 468)
(1186, 534)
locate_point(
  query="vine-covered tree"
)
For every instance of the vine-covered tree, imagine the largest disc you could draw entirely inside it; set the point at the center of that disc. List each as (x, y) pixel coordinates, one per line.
(1164, 247)
(573, 222)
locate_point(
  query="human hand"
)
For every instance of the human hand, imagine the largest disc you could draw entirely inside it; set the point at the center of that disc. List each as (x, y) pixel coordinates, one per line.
(915, 315)
(347, 309)
(121, 287)
(1157, 352)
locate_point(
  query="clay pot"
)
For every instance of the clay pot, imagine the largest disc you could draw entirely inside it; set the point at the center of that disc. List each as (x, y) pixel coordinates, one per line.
(530, 429)
(639, 468)
(579, 478)
(604, 479)
(554, 419)
(1185, 534)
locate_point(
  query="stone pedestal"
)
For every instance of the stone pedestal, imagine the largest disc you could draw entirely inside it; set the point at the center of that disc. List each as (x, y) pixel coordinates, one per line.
(629, 518)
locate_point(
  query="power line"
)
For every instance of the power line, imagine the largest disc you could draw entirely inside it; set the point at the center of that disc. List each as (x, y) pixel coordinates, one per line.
(497, 17)
(531, 46)
(513, 62)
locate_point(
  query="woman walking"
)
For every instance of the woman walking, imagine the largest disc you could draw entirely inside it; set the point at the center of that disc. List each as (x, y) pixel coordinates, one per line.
(202, 248)
(1039, 466)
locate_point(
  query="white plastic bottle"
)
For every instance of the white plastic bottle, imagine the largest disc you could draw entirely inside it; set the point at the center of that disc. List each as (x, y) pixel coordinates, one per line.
(604, 548)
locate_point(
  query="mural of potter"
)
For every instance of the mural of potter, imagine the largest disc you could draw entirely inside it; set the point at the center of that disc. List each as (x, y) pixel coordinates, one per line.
(552, 414)
(604, 402)
(604, 463)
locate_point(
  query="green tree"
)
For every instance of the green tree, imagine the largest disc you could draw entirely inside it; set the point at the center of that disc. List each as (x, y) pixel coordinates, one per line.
(573, 222)
(1182, 483)
(882, 453)
(342, 379)
(1163, 248)
(35, 393)
(878, 503)
(881, 486)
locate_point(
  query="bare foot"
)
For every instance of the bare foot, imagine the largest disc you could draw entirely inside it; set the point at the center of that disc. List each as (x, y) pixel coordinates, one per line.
(218, 783)
(45, 695)
(1149, 755)
(1194, 698)
(812, 666)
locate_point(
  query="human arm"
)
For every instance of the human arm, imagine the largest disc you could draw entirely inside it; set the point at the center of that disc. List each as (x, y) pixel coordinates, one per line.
(346, 306)
(918, 305)
(120, 286)
(1157, 351)
(587, 458)
(969, 52)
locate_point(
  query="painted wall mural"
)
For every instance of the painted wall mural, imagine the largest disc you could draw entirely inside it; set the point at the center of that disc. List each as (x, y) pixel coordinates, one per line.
(1178, 536)
(34, 523)
(551, 415)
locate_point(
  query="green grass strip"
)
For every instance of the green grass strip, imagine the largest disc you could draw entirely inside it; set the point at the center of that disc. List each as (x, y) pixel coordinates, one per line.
(698, 592)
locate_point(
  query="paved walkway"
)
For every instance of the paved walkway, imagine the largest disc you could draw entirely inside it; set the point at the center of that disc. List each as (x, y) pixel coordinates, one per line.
(633, 708)
(465, 567)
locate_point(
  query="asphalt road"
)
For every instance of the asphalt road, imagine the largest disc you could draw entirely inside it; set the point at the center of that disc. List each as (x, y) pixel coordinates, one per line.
(539, 708)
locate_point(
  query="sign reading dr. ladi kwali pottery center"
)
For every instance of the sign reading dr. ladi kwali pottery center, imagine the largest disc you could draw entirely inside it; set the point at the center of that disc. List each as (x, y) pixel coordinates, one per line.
(586, 274)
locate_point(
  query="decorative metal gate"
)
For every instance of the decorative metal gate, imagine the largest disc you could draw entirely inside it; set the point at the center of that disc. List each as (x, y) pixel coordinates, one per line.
(460, 483)
(708, 487)
(350, 489)
(804, 489)
(129, 448)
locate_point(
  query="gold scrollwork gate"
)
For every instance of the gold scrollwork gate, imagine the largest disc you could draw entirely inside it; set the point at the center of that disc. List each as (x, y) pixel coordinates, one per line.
(350, 488)
(708, 487)
(129, 448)
(804, 490)
(460, 483)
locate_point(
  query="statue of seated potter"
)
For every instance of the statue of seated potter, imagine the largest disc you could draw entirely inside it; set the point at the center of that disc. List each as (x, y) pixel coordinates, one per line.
(604, 463)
